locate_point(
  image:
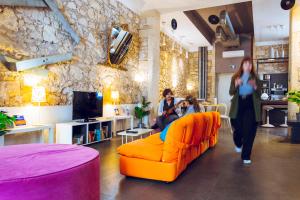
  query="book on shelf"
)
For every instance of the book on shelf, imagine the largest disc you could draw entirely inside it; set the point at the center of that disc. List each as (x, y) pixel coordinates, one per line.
(91, 137)
(105, 131)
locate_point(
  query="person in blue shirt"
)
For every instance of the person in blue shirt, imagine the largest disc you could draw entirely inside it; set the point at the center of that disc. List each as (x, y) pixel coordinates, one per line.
(192, 105)
(244, 105)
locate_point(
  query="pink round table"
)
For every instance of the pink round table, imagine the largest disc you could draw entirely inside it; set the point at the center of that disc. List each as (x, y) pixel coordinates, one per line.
(42, 171)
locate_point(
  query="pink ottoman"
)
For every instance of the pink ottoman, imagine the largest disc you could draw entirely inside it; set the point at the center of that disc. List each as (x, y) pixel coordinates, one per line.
(45, 172)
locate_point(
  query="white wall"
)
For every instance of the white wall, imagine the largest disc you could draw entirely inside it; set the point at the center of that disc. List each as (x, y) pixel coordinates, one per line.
(47, 114)
(223, 85)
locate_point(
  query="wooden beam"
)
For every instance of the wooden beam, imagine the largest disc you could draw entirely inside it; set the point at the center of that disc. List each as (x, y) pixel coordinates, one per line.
(201, 25)
(52, 5)
(26, 3)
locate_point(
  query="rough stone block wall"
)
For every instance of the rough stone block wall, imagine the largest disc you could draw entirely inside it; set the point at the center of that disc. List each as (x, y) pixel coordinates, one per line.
(193, 75)
(34, 32)
(211, 76)
(174, 70)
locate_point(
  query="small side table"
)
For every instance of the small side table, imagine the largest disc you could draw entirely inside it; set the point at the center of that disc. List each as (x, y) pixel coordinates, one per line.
(140, 133)
(28, 129)
(295, 131)
(124, 118)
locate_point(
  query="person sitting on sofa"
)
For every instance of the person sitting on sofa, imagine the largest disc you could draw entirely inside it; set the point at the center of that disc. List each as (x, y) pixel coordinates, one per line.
(191, 105)
(167, 110)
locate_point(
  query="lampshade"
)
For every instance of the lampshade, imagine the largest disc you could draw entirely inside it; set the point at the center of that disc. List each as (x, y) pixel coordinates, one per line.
(115, 95)
(38, 94)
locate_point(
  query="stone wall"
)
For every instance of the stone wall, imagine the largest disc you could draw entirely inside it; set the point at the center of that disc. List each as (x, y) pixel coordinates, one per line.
(211, 76)
(264, 52)
(174, 69)
(34, 32)
(193, 84)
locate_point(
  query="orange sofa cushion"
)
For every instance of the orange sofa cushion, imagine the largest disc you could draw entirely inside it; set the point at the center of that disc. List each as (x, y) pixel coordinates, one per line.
(150, 148)
(199, 130)
(179, 136)
(148, 169)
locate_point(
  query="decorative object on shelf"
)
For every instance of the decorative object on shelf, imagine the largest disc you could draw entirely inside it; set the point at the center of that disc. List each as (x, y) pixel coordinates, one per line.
(98, 134)
(141, 111)
(105, 131)
(127, 111)
(117, 112)
(264, 96)
(119, 45)
(91, 136)
(277, 53)
(20, 120)
(5, 122)
(282, 51)
(272, 52)
(294, 96)
(78, 140)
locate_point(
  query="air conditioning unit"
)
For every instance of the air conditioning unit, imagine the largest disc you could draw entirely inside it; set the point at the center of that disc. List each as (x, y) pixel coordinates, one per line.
(233, 54)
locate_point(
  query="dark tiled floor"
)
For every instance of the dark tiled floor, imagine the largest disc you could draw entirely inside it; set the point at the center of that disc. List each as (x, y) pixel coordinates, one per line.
(216, 175)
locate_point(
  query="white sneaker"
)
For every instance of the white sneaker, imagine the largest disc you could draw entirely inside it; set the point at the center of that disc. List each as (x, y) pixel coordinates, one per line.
(247, 162)
(238, 149)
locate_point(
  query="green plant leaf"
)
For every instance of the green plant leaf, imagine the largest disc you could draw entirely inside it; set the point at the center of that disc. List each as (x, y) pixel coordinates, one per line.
(6, 120)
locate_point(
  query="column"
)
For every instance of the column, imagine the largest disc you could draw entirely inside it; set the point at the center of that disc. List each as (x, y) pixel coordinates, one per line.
(294, 56)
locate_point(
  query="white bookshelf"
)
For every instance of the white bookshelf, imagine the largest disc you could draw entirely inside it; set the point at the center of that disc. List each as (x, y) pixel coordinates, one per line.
(67, 132)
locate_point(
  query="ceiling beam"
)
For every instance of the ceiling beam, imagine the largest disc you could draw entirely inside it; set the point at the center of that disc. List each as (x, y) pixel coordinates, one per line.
(26, 3)
(52, 5)
(201, 25)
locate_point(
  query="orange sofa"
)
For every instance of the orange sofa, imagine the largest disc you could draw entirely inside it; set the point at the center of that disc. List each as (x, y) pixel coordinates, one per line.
(187, 138)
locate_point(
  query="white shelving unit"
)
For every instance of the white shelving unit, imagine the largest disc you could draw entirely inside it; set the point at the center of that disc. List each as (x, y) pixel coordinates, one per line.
(66, 132)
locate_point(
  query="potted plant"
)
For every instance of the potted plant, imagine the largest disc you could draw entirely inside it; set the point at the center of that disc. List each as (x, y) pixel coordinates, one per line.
(142, 110)
(294, 96)
(5, 121)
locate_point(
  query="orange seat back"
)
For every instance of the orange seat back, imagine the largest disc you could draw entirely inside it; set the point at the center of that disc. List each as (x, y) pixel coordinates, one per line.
(179, 136)
(199, 130)
(209, 126)
(215, 128)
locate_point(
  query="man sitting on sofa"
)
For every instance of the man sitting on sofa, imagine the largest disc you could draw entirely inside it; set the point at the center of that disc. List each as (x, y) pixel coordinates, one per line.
(167, 110)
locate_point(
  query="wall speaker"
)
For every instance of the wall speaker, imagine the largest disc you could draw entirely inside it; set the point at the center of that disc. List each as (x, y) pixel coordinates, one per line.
(213, 19)
(287, 4)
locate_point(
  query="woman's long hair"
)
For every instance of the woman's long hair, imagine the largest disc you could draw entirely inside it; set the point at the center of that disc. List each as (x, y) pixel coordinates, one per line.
(240, 71)
(193, 101)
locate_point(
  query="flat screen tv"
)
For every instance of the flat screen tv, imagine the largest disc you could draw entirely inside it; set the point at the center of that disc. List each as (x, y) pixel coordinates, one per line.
(87, 105)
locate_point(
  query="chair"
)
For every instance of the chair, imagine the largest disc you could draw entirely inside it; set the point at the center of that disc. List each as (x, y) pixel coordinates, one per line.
(285, 118)
(222, 109)
(267, 109)
(202, 108)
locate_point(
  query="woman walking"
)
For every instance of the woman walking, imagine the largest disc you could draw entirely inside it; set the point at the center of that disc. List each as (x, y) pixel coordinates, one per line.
(245, 110)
